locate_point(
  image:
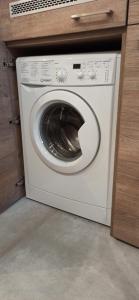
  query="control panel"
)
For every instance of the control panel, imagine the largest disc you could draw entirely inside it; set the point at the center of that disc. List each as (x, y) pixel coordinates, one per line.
(70, 71)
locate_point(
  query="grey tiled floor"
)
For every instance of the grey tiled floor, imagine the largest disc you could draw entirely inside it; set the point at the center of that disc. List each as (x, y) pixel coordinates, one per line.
(46, 254)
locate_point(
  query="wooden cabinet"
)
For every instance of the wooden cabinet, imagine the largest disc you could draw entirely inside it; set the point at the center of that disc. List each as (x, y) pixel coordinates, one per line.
(11, 167)
(133, 16)
(58, 21)
(126, 196)
(59, 27)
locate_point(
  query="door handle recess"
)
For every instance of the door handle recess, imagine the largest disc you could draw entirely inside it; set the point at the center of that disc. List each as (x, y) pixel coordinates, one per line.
(89, 140)
(77, 17)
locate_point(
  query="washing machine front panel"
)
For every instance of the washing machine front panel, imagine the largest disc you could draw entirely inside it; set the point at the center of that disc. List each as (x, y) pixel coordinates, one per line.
(65, 131)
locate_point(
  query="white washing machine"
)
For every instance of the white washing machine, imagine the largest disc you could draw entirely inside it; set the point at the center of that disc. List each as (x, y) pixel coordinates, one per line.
(68, 106)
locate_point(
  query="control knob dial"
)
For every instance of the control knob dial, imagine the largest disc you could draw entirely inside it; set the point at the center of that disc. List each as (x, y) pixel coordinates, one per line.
(80, 74)
(92, 75)
(61, 75)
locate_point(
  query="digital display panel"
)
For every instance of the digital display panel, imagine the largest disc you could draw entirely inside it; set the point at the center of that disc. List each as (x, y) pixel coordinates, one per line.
(77, 66)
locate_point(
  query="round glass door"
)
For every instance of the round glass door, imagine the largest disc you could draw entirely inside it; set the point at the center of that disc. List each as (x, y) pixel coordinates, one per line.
(65, 131)
(59, 126)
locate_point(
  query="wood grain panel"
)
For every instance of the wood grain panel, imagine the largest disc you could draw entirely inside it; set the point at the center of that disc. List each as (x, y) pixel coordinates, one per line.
(11, 162)
(133, 17)
(58, 21)
(125, 224)
(6, 130)
(9, 176)
(105, 35)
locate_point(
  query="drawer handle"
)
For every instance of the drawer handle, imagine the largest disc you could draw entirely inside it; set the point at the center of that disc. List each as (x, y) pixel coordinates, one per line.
(107, 12)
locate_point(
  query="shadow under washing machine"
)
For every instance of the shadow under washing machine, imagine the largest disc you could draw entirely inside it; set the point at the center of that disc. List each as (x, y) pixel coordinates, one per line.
(68, 106)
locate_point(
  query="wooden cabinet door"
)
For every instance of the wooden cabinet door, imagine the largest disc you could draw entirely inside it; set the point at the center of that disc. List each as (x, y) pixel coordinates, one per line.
(133, 16)
(125, 224)
(59, 21)
(11, 163)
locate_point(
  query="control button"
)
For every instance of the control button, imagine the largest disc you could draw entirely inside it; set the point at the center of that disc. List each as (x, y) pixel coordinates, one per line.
(61, 75)
(80, 75)
(92, 74)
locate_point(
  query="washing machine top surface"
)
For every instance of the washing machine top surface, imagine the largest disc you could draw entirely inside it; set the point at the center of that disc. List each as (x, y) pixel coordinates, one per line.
(68, 70)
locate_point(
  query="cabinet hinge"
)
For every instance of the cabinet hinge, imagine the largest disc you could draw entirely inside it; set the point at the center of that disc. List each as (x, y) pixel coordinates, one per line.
(20, 182)
(5, 64)
(15, 121)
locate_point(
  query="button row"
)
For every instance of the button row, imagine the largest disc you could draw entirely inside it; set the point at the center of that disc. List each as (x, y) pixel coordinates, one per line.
(62, 75)
(91, 74)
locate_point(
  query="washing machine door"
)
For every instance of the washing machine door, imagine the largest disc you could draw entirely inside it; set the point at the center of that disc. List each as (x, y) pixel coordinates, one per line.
(65, 131)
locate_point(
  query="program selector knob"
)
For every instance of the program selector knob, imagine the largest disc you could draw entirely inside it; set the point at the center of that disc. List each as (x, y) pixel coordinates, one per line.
(92, 74)
(61, 75)
(80, 75)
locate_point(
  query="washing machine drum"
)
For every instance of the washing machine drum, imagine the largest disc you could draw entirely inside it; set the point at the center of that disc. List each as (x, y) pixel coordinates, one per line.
(64, 131)
(59, 127)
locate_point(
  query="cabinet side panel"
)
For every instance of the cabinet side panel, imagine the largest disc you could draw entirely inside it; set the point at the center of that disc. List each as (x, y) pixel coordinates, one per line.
(133, 16)
(125, 225)
(11, 161)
